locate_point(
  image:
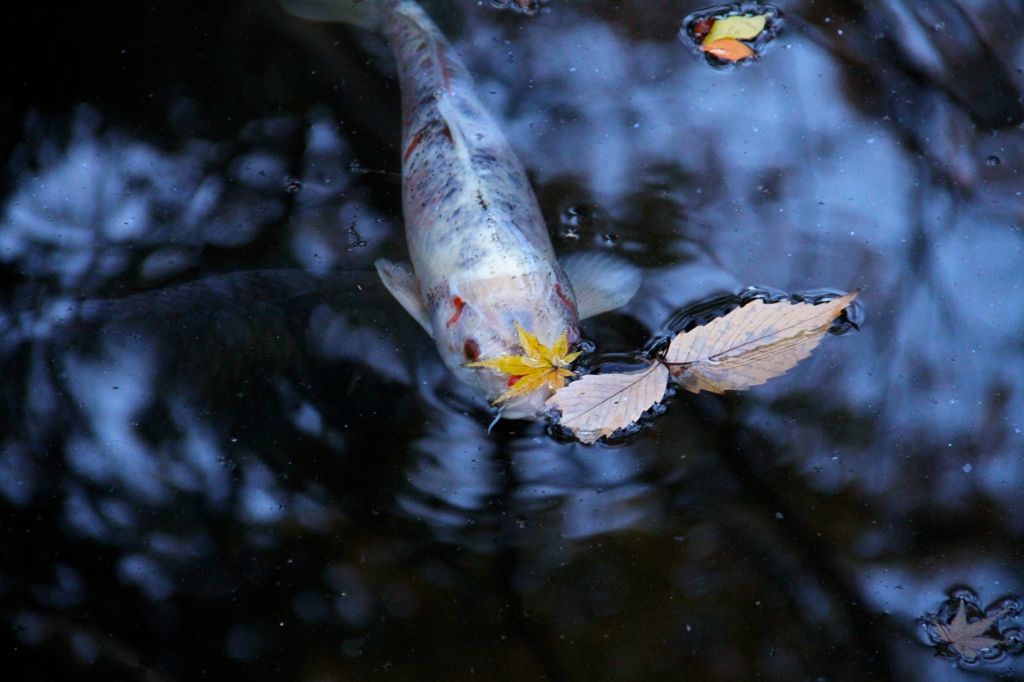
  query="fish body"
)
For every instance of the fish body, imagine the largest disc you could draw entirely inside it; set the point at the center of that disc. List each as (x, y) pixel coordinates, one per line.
(482, 260)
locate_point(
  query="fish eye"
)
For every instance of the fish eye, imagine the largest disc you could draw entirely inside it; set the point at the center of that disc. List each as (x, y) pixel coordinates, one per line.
(471, 349)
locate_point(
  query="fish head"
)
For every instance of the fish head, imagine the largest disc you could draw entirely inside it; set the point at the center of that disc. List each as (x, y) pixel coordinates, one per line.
(479, 323)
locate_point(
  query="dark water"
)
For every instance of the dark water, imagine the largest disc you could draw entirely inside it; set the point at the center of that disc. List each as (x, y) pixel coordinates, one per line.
(226, 454)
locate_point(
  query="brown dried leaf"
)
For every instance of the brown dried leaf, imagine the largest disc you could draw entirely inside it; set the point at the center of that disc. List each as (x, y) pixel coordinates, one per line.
(969, 639)
(750, 345)
(598, 404)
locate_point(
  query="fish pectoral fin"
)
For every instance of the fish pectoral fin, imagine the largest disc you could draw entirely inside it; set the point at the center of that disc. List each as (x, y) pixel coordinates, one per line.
(401, 282)
(601, 282)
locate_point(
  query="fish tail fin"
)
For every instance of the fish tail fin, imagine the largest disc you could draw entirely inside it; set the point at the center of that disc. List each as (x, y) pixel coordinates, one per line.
(363, 13)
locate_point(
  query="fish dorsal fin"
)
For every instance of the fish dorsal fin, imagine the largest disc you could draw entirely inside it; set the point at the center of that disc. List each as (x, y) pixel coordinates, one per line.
(399, 280)
(454, 121)
(601, 282)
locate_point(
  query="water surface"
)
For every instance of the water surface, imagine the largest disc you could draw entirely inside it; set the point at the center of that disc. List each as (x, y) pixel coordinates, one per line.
(225, 452)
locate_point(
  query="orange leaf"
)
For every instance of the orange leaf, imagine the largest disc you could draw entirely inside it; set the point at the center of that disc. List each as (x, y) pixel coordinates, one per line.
(728, 49)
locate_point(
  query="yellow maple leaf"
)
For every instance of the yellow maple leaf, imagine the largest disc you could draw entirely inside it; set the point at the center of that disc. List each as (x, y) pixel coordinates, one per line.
(538, 365)
(737, 26)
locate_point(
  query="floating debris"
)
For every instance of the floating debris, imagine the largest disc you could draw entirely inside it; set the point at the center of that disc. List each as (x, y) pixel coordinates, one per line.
(527, 7)
(726, 35)
(357, 239)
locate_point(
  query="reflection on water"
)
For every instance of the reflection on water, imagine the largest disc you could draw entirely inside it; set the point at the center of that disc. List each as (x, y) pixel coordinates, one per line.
(225, 451)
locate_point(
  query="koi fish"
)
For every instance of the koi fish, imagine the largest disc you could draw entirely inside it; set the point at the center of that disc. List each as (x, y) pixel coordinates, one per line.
(482, 260)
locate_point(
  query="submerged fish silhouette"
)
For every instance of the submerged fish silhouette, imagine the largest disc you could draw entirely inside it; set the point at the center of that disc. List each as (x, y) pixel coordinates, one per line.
(482, 259)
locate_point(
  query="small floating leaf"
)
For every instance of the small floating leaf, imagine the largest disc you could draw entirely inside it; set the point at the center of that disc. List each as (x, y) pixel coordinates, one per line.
(737, 26)
(728, 49)
(968, 639)
(597, 405)
(750, 345)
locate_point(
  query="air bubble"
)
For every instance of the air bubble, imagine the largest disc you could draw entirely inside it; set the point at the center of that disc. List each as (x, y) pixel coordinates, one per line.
(1013, 639)
(1011, 605)
(576, 216)
(965, 593)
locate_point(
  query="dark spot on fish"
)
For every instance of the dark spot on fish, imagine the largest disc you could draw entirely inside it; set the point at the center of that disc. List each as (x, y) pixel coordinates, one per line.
(471, 350)
(480, 198)
(459, 305)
